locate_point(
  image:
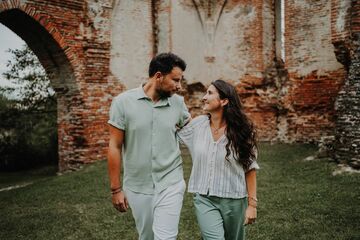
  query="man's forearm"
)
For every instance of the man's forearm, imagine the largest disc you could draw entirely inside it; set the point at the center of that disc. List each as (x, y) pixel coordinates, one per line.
(114, 166)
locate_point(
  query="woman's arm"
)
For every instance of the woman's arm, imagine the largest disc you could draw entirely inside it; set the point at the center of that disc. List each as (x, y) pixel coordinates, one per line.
(250, 215)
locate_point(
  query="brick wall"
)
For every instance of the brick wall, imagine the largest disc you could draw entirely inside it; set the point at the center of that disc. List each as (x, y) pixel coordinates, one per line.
(93, 50)
(315, 75)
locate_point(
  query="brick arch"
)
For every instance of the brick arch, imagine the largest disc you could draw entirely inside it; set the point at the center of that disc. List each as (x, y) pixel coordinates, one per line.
(76, 57)
(51, 54)
(40, 18)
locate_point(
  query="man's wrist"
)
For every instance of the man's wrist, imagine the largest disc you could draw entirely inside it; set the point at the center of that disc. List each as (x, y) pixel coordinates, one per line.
(116, 190)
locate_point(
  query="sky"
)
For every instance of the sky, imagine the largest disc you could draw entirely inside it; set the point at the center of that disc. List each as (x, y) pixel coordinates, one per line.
(8, 39)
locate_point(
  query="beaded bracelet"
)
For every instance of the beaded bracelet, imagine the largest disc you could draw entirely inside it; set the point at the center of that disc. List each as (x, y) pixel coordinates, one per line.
(117, 191)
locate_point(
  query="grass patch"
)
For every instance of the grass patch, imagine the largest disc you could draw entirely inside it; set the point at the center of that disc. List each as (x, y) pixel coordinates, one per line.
(297, 200)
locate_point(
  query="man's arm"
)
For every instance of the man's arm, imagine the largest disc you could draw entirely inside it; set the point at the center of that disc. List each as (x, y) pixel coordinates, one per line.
(185, 116)
(117, 137)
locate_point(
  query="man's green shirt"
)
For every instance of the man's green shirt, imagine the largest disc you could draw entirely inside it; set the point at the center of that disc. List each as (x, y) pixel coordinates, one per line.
(151, 155)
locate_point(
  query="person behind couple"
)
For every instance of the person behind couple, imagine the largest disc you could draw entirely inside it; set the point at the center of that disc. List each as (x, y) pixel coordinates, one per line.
(223, 176)
(143, 138)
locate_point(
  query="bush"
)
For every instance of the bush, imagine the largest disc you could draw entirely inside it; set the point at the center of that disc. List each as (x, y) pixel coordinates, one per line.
(28, 137)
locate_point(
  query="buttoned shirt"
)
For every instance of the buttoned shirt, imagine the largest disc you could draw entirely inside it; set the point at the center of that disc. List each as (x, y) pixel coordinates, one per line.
(211, 173)
(151, 155)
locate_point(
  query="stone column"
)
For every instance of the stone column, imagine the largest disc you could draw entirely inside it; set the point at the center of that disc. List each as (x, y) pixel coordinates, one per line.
(347, 136)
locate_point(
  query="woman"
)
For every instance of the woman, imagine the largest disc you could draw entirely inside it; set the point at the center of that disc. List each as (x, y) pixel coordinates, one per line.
(223, 177)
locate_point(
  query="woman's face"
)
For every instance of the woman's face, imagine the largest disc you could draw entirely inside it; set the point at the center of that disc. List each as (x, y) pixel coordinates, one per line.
(212, 100)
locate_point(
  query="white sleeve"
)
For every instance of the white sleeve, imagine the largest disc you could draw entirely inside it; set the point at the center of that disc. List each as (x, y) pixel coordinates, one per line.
(186, 134)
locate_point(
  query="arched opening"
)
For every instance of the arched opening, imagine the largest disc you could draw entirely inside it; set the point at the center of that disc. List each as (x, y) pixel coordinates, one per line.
(28, 112)
(50, 54)
(55, 62)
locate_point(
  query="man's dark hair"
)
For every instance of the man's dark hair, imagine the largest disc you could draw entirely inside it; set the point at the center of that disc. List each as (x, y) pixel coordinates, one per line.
(164, 63)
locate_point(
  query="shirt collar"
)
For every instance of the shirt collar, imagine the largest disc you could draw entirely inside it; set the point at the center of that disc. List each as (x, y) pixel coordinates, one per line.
(141, 95)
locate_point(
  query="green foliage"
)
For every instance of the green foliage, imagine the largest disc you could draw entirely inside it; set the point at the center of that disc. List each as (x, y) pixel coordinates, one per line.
(29, 80)
(27, 137)
(28, 128)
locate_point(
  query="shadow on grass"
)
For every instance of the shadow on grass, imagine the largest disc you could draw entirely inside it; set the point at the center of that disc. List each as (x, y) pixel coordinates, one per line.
(10, 179)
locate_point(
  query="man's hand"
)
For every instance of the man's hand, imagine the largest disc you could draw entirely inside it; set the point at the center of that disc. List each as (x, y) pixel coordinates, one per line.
(120, 202)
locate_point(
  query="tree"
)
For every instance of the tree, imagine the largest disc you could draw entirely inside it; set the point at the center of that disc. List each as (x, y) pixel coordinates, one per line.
(28, 128)
(29, 81)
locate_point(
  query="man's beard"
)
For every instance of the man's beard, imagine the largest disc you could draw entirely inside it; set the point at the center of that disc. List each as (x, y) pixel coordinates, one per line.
(164, 94)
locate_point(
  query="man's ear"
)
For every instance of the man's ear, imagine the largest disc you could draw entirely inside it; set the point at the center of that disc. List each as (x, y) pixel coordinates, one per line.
(158, 75)
(224, 102)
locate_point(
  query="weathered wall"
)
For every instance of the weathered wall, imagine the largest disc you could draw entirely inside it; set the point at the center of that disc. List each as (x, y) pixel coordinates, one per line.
(93, 50)
(315, 76)
(231, 40)
(219, 39)
(235, 41)
(131, 41)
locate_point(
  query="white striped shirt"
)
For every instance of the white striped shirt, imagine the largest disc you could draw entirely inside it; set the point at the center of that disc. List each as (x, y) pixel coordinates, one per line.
(211, 173)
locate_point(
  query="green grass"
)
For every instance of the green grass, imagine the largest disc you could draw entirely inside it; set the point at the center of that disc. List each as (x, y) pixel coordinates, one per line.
(8, 179)
(297, 200)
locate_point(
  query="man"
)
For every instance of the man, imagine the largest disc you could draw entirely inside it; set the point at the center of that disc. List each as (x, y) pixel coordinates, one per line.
(143, 123)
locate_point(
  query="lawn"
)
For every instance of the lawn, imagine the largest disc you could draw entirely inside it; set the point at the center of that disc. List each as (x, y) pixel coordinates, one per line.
(297, 200)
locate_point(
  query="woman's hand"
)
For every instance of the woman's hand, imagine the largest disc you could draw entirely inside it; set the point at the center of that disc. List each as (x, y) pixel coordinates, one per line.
(250, 215)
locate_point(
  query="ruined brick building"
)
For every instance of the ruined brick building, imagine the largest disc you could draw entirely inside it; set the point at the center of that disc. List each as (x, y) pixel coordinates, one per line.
(295, 63)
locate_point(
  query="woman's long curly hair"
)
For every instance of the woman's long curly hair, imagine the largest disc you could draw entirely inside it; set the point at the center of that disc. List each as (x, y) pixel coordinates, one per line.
(240, 131)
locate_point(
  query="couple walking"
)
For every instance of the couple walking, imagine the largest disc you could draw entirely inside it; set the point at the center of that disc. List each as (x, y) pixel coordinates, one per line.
(146, 125)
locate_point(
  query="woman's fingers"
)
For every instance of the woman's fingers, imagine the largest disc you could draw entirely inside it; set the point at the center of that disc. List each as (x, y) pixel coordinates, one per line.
(249, 220)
